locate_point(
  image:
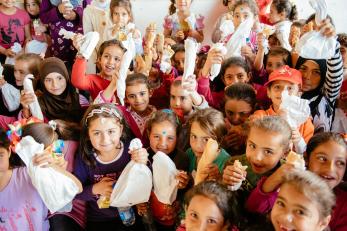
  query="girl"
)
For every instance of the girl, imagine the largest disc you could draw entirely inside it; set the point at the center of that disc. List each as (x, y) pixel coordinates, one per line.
(163, 128)
(203, 125)
(267, 142)
(176, 26)
(137, 95)
(57, 15)
(280, 80)
(59, 99)
(11, 33)
(96, 17)
(240, 103)
(109, 59)
(24, 64)
(304, 202)
(207, 208)
(321, 83)
(62, 138)
(104, 155)
(38, 30)
(122, 24)
(282, 13)
(22, 206)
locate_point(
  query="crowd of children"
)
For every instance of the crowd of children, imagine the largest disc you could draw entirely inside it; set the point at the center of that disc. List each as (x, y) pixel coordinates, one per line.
(241, 163)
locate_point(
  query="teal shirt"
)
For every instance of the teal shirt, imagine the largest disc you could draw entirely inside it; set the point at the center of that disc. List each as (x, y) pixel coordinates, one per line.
(220, 161)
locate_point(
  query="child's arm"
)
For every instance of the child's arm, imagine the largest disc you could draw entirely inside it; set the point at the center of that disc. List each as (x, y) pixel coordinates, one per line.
(273, 182)
(259, 201)
(197, 99)
(217, 33)
(28, 37)
(7, 52)
(107, 95)
(197, 34)
(259, 58)
(78, 75)
(49, 13)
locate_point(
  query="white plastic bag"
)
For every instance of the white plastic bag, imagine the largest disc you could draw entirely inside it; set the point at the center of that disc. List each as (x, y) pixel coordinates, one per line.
(215, 68)
(165, 63)
(164, 178)
(313, 44)
(36, 47)
(134, 185)
(10, 96)
(35, 108)
(56, 189)
(16, 48)
(297, 109)
(191, 20)
(238, 39)
(226, 27)
(124, 66)
(191, 49)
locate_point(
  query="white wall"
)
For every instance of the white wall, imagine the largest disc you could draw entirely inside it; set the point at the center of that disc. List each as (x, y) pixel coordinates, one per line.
(147, 11)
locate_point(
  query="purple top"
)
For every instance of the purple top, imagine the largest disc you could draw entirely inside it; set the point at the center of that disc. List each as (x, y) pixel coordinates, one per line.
(27, 211)
(62, 48)
(89, 176)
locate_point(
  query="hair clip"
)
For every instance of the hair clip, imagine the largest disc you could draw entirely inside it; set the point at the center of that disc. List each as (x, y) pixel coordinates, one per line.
(103, 110)
(53, 124)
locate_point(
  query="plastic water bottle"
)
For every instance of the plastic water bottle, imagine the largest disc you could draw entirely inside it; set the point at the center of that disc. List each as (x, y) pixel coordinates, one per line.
(127, 215)
(148, 222)
(248, 42)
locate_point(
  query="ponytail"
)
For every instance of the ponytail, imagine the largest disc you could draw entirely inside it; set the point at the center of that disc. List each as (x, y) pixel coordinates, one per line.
(172, 7)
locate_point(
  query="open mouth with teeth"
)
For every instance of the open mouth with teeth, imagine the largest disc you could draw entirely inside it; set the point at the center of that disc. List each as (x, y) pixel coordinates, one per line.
(283, 228)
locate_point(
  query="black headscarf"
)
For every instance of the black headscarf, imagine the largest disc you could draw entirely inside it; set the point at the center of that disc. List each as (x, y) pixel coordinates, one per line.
(65, 106)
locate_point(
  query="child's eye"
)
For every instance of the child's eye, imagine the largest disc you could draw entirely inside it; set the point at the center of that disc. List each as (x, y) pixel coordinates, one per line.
(156, 137)
(268, 152)
(96, 133)
(322, 158)
(183, 98)
(205, 140)
(340, 163)
(60, 77)
(112, 131)
(300, 212)
(193, 137)
(142, 93)
(193, 215)
(317, 72)
(252, 146)
(280, 203)
(171, 138)
(172, 97)
(117, 59)
(211, 221)
(240, 77)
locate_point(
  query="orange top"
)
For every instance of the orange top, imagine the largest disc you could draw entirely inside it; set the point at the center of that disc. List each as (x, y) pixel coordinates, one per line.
(306, 129)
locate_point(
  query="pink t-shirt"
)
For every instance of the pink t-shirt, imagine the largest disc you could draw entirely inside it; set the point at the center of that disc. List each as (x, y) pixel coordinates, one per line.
(12, 28)
(21, 207)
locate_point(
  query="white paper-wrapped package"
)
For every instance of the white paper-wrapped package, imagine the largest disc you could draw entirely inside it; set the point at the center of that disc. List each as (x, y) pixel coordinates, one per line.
(164, 178)
(36, 47)
(57, 189)
(35, 108)
(215, 68)
(124, 66)
(191, 49)
(238, 39)
(226, 27)
(297, 109)
(10, 96)
(16, 48)
(165, 63)
(313, 44)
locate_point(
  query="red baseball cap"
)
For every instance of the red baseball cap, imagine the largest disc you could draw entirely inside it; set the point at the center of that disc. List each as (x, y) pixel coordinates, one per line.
(287, 74)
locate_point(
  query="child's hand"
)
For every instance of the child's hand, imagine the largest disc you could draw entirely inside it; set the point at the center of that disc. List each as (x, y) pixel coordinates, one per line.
(214, 56)
(46, 159)
(2, 81)
(246, 51)
(233, 138)
(9, 53)
(211, 171)
(103, 187)
(179, 35)
(190, 84)
(275, 180)
(260, 38)
(327, 29)
(26, 98)
(183, 179)
(77, 41)
(142, 208)
(296, 136)
(139, 155)
(232, 175)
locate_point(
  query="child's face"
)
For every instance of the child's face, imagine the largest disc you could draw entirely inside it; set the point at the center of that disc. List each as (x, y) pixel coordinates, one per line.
(183, 4)
(104, 134)
(241, 13)
(55, 83)
(180, 100)
(343, 51)
(274, 62)
(328, 161)
(274, 92)
(294, 211)
(203, 214)
(237, 111)
(198, 139)
(4, 159)
(8, 3)
(178, 61)
(120, 16)
(264, 150)
(274, 16)
(32, 7)
(235, 74)
(110, 61)
(311, 75)
(163, 137)
(138, 97)
(21, 69)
